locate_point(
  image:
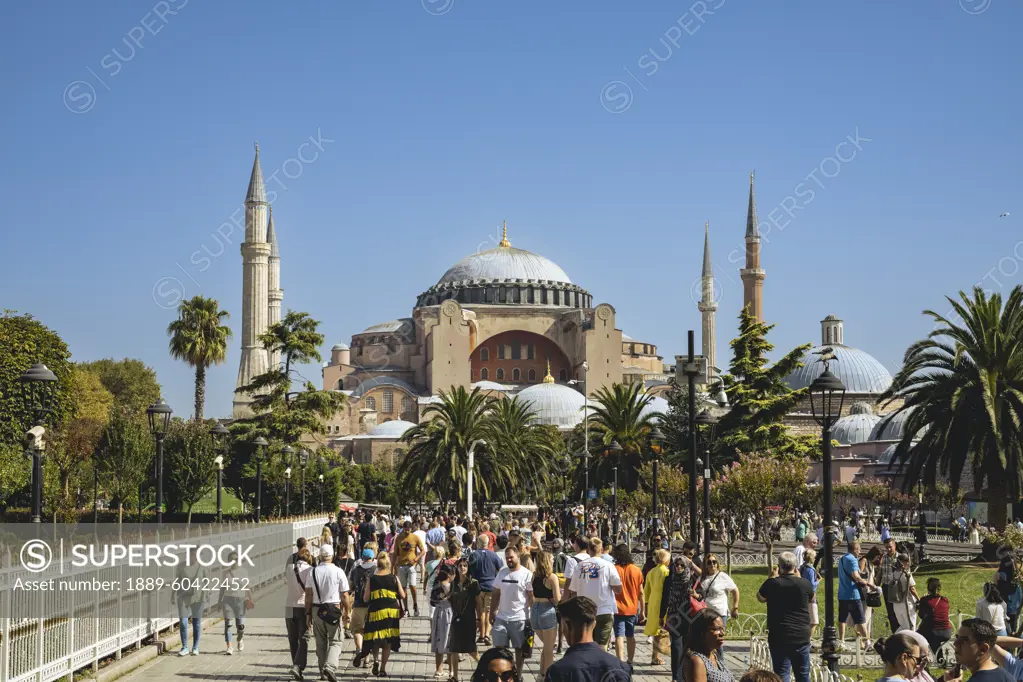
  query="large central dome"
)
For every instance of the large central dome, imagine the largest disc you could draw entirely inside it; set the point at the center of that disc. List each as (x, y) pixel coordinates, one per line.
(504, 262)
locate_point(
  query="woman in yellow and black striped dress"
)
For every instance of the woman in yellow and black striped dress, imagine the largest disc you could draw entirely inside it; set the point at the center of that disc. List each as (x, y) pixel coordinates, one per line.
(383, 624)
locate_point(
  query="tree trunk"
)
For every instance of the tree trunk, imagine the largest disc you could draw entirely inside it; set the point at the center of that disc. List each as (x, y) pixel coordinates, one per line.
(200, 391)
(189, 516)
(120, 512)
(997, 505)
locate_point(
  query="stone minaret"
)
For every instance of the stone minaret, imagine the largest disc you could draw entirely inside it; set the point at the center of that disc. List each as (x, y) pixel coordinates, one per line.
(752, 275)
(255, 287)
(275, 294)
(708, 306)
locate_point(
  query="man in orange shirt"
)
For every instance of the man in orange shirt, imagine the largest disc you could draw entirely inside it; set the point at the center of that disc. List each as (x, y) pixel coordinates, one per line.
(630, 603)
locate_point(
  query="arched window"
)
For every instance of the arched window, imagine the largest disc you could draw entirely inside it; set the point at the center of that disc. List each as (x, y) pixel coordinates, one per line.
(515, 374)
(500, 374)
(563, 375)
(406, 404)
(371, 403)
(388, 402)
(484, 354)
(484, 374)
(532, 375)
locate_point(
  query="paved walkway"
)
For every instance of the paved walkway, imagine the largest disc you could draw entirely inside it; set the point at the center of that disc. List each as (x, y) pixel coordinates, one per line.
(266, 657)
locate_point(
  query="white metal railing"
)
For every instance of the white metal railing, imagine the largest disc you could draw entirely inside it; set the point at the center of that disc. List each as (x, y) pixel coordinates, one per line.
(82, 629)
(872, 535)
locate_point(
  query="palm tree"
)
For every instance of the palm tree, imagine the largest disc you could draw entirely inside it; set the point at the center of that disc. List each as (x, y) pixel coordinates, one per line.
(618, 416)
(199, 337)
(962, 389)
(526, 445)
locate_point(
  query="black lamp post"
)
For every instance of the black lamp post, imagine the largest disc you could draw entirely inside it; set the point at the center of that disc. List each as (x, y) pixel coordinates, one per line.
(220, 433)
(286, 452)
(321, 493)
(159, 414)
(260, 444)
(303, 459)
(585, 456)
(656, 443)
(827, 393)
(38, 390)
(95, 494)
(615, 450)
(691, 368)
(709, 423)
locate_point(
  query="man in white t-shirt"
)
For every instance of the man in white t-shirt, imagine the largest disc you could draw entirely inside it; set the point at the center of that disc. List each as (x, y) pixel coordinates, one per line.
(510, 604)
(296, 578)
(327, 583)
(581, 546)
(809, 542)
(597, 579)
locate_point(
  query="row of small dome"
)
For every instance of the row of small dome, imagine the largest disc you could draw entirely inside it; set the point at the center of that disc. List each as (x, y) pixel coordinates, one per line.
(862, 425)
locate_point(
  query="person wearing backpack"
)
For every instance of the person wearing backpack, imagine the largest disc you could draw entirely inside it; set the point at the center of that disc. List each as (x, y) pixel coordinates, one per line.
(296, 578)
(483, 566)
(323, 610)
(360, 607)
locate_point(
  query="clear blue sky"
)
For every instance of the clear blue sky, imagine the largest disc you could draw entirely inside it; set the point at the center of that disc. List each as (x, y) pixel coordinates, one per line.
(443, 124)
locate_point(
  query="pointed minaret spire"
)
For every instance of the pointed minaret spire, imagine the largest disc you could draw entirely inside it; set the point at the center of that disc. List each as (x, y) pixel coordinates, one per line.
(708, 307)
(752, 274)
(504, 236)
(271, 235)
(257, 192)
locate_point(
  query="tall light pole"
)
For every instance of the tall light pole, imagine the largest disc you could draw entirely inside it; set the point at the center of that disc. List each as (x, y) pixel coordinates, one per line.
(827, 393)
(220, 433)
(468, 481)
(709, 423)
(586, 441)
(656, 444)
(691, 368)
(321, 493)
(260, 444)
(566, 465)
(38, 390)
(303, 459)
(615, 450)
(159, 414)
(286, 452)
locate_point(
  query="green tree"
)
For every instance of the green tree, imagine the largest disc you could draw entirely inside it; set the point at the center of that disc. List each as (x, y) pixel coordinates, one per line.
(188, 463)
(132, 382)
(675, 423)
(528, 449)
(962, 389)
(760, 399)
(124, 457)
(618, 416)
(25, 341)
(199, 337)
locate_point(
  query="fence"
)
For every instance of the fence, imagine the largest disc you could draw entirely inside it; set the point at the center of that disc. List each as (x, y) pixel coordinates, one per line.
(79, 632)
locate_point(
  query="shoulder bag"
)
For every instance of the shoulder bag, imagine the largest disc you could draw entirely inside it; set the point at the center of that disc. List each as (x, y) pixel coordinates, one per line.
(328, 613)
(871, 598)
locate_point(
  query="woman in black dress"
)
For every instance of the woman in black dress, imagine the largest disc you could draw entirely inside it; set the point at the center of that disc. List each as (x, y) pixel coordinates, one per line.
(464, 615)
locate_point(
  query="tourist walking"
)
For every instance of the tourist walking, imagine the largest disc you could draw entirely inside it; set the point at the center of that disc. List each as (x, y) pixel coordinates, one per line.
(323, 610)
(233, 599)
(629, 604)
(788, 600)
(808, 573)
(991, 608)
(703, 662)
(935, 625)
(190, 599)
(676, 610)
(850, 590)
(440, 622)
(408, 550)
(383, 625)
(886, 577)
(360, 607)
(484, 568)
(543, 617)
(464, 618)
(653, 591)
(598, 580)
(347, 563)
(510, 605)
(296, 579)
(905, 595)
(432, 567)
(585, 660)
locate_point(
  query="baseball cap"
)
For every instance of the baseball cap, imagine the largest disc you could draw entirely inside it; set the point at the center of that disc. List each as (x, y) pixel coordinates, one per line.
(326, 551)
(451, 531)
(367, 553)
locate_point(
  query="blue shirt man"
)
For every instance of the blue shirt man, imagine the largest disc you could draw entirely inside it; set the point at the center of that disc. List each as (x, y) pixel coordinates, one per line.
(847, 589)
(485, 565)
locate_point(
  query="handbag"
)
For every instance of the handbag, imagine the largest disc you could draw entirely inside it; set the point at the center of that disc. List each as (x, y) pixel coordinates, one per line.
(696, 605)
(527, 641)
(871, 598)
(328, 613)
(662, 642)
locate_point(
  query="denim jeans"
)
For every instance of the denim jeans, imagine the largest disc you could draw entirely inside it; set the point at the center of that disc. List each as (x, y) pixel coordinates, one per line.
(796, 658)
(234, 609)
(193, 611)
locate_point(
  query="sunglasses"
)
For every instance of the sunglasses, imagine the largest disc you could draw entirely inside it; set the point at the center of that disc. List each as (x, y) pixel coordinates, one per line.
(506, 676)
(712, 563)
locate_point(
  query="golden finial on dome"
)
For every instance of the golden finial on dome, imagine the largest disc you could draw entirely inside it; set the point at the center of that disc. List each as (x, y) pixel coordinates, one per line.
(504, 236)
(548, 379)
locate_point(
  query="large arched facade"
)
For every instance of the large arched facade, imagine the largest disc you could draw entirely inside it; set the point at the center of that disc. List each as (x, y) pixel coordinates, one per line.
(518, 357)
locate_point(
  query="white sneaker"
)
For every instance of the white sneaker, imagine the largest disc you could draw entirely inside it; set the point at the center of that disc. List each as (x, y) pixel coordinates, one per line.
(241, 645)
(195, 651)
(183, 652)
(230, 651)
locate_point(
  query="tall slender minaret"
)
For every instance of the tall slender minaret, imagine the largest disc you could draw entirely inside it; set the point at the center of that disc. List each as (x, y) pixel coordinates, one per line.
(275, 294)
(752, 275)
(708, 306)
(255, 287)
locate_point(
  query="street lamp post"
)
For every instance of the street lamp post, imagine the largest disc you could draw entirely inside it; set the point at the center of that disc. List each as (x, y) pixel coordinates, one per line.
(827, 393)
(656, 442)
(38, 390)
(616, 450)
(95, 494)
(303, 459)
(321, 493)
(260, 444)
(468, 480)
(709, 423)
(286, 452)
(220, 433)
(691, 368)
(159, 414)
(586, 441)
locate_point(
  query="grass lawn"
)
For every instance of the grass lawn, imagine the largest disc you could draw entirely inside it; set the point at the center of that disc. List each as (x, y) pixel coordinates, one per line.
(208, 504)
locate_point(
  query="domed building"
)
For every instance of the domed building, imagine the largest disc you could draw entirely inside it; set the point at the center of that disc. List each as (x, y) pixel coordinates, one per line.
(856, 426)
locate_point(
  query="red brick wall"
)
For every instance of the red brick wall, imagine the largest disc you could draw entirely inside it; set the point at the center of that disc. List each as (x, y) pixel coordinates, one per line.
(543, 348)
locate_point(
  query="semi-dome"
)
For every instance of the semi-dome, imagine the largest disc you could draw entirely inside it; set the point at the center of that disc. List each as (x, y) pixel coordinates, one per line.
(490, 386)
(856, 426)
(554, 404)
(395, 428)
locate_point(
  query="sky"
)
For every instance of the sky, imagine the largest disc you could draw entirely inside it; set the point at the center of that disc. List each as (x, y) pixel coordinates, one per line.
(396, 136)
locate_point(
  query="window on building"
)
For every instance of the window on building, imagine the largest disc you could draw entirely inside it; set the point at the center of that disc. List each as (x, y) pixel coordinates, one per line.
(515, 374)
(543, 296)
(516, 350)
(484, 374)
(531, 296)
(557, 297)
(500, 374)
(371, 403)
(500, 351)
(563, 375)
(484, 354)
(406, 404)
(530, 352)
(388, 402)
(502, 295)
(532, 375)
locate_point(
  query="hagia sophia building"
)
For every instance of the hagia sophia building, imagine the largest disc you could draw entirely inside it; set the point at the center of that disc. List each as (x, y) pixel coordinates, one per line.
(512, 322)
